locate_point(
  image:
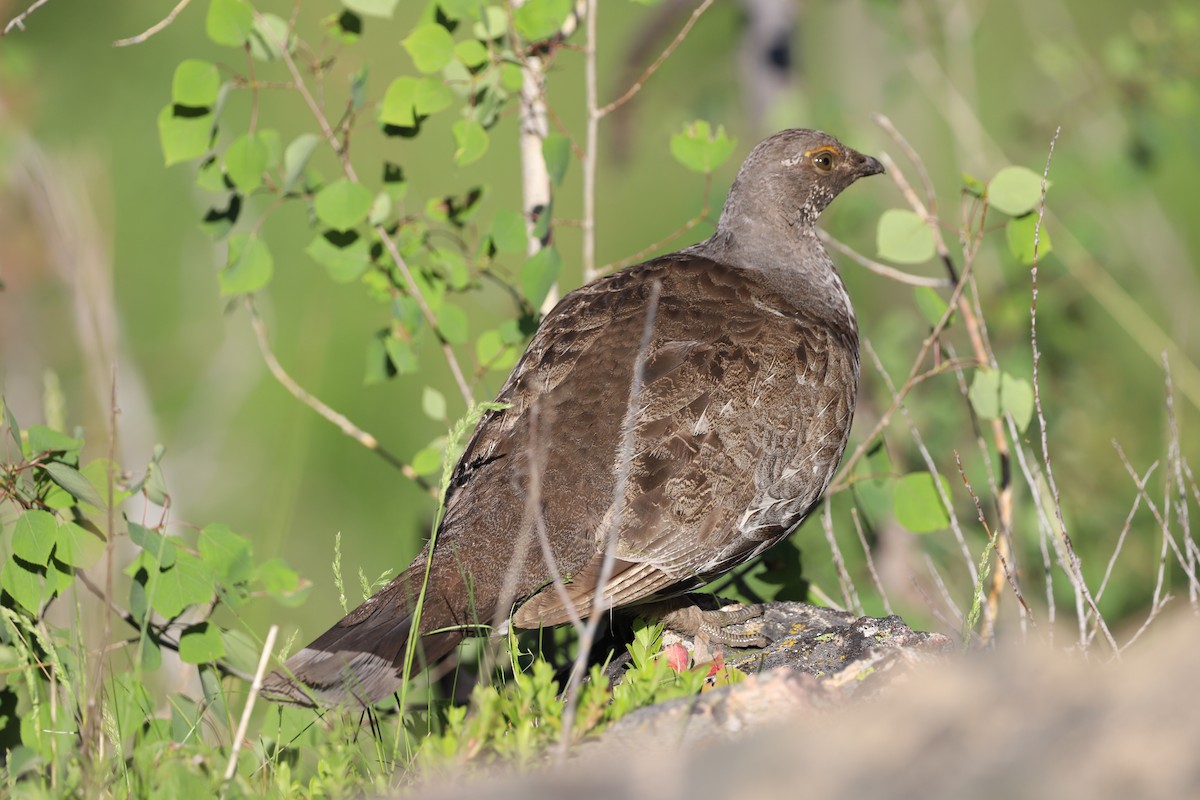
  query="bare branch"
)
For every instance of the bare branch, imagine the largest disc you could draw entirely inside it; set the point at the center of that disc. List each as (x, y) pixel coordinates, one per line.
(591, 142)
(18, 21)
(883, 269)
(343, 424)
(255, 688)
(658, 62)
(155, 28)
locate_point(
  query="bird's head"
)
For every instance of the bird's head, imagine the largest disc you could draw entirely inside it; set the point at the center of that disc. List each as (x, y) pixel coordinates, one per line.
(796, 173)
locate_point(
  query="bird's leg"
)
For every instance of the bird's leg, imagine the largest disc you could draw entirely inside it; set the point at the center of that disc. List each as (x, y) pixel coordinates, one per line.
(696, 616)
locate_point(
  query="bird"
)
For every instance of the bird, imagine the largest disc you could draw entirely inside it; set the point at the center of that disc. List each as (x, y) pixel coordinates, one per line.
(680, 416)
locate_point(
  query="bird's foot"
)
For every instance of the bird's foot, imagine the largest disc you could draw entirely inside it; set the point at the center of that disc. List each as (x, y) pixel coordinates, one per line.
(730, 625)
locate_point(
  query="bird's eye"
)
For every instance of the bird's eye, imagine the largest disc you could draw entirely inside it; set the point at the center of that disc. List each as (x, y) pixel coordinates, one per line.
(823, 160)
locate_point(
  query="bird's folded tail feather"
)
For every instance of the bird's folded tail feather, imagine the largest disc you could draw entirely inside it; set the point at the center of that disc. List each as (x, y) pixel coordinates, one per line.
(361, 659)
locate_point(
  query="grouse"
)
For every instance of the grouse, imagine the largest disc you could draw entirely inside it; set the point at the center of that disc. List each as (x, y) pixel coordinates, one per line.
(689, 410)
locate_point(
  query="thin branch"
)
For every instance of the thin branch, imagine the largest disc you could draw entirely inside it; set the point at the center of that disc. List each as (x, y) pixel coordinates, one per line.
(300, 393)
(862, 538)
(1075, 569)
(882, 269)
(845, 582)
(18, 21)
(612, 536)
(255, 687)
(155, 28)
(658, 62)
(388, 243)
(591, 138)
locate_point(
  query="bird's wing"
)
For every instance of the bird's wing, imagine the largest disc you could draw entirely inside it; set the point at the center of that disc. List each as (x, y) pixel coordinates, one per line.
(736, 432)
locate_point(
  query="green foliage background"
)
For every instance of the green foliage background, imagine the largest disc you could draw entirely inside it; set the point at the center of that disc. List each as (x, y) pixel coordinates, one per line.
(974, 86)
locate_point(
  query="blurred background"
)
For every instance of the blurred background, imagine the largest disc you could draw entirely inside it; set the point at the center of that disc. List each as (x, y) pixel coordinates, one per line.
(103, 264)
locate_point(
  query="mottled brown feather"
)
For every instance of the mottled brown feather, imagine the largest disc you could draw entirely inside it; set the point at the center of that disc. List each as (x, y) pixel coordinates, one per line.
(749, 378)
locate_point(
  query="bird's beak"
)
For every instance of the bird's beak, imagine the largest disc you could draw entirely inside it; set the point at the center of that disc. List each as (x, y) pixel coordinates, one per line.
(866, 165)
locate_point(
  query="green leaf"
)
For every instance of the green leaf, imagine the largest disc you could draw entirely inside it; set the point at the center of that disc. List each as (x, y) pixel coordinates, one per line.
(452, 324)
(512, 78)
(381, 209)
(269, 33)
(399, 101)
(428, 460)
(34, 535)
(47, 440)
(153, 543)
(345, 27)
(932, 305)
(229, 22)
(701, 150)
(984, 393)
(401, 356)
(493, 353)
(973, 185)
(226, 553)
(73, 481)
(541, 19)
(345, 256)
(278, 578)
(994, 392)
(58, 578)
(1015, 190)
(343, 204)
(492, 24)
(1019, 231)
(183, 138)
(508, 232)
(903, 237)
(539, 273)
(195, 84)
(245, 161)
(457, 9)
(187, 583)
(471, 52)
(156, 484)
(249, 265)
(77, 546)
(430, 46)
(471, 141)
(1016, 398)
(210, 177)
(372, 8)
(200, 644)
(556, 149)
(433, 403)
(917, 505)
(24, 586)
(432, 96)
(295, 159)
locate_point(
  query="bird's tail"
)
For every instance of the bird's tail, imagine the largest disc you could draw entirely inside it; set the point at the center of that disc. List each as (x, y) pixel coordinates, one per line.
(362, 657)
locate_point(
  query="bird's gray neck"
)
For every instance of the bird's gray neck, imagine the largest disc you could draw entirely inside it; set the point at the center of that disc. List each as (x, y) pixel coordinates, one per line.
(794, 264)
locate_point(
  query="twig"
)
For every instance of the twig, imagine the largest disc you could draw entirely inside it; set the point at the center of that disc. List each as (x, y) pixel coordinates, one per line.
(386, 238)
(658, 62)
(1074, 570)
(975, 333)
(927, 457)
(862, 538)
(343, 424)
(255, 687)
(849, 592)
(590, 145)
(882, 269)
(612, 536)
(18, 21)
(155, 28)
